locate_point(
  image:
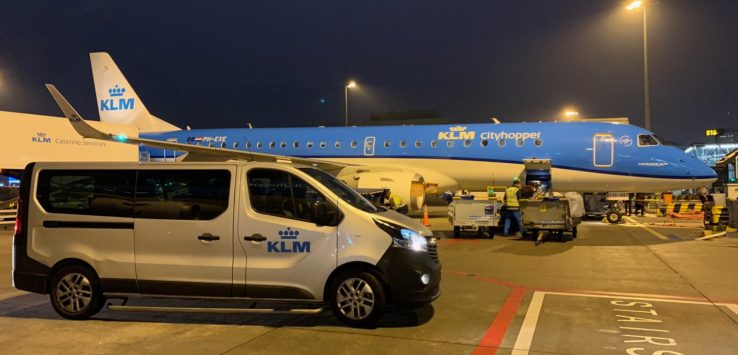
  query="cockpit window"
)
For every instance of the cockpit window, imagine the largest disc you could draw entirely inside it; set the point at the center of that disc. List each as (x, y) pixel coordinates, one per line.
(645, 140)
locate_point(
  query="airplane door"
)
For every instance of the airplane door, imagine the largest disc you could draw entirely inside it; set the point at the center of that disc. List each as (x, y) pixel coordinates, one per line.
(604, 150)
(369, 146)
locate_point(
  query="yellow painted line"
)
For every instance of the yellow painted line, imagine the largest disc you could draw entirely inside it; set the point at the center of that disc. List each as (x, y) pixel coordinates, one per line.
(657, 234)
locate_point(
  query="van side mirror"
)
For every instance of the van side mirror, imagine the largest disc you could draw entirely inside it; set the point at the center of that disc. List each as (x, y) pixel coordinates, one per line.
(324, 214)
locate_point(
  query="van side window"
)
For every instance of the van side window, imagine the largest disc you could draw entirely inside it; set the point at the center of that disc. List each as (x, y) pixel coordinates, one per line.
(182, 194)
(87, 192)
(279, 193)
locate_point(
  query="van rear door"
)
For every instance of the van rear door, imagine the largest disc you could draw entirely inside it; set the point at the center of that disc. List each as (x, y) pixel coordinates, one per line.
(284, 252)
(184, 230)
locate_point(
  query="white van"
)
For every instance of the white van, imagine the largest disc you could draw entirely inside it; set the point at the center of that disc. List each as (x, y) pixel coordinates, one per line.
(266, 232)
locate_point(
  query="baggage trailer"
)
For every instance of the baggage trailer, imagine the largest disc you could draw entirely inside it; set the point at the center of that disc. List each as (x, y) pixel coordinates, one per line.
(473, 214)
(548, 216)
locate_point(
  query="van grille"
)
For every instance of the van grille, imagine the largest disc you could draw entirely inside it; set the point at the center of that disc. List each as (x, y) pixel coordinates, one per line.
(433, 249)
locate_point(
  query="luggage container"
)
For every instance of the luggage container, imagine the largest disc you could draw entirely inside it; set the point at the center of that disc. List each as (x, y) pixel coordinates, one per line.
(476, 215)
(548, 216)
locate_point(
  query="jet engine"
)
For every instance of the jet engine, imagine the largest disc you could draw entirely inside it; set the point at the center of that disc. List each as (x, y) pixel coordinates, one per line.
(408, 184)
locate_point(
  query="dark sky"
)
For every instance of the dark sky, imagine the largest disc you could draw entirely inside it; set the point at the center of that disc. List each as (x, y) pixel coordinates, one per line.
(224, 63)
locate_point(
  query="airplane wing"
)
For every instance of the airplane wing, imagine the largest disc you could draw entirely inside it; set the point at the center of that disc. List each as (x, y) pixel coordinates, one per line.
(194, 152)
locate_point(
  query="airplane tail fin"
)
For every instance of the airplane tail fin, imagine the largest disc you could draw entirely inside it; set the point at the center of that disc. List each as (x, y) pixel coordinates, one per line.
(117, 102)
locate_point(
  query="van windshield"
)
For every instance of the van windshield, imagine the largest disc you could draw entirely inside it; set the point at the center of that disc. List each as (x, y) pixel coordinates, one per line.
(340, 189)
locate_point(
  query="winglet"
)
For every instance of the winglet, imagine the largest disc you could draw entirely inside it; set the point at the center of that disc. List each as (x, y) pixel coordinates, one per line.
(78, 123)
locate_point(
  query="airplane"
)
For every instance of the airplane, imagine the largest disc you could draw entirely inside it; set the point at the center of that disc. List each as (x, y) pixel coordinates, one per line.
(582, 156)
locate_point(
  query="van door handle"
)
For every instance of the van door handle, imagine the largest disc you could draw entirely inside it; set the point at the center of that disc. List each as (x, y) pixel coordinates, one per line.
(207, 237)
(255, 238)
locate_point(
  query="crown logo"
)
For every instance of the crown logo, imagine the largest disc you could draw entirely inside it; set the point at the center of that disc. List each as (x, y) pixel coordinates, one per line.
(457, 129)
(116, 91)
(288, 234)
(41, 134)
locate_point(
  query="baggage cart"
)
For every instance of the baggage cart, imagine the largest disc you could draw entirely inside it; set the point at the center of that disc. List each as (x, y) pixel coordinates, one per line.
(548, 216)
(473, 214)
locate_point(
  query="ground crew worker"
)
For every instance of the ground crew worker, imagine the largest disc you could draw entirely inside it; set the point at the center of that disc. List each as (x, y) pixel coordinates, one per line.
(512, 207)
(397, 203)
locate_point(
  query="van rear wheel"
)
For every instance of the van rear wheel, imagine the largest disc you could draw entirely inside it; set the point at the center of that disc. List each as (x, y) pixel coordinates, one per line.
(75, 292)
(357, 298)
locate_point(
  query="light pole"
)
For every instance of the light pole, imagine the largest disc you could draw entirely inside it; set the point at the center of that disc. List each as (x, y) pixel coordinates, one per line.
(646, 97)
(346, 88)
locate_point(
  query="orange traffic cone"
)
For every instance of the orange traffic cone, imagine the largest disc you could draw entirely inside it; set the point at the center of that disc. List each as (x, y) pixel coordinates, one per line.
(426, 220)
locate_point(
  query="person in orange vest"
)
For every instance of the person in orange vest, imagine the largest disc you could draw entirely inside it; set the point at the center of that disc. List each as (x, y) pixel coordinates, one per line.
(512, 207)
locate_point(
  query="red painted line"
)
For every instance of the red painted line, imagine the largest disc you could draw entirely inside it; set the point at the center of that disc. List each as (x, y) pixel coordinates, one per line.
(496, 332)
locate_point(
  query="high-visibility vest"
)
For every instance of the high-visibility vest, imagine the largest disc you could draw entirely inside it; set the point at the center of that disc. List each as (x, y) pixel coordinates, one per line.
(396, 201)
(511, 197)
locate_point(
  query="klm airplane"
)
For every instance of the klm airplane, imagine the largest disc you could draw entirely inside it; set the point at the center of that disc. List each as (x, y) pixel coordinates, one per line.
(582, 156)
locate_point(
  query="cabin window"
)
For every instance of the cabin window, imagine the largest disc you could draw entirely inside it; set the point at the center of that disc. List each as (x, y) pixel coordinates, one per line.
(354, 144)
(467, 143)
(323, 144)
(484, 142)
(450, 144)
(434, 143)
(272, 144)
(309, 144)
(418, 144)
(283, 145)
(387, 144)
(223, 145)
(519, 142)
(647, 140)
(337, 144)
(501, 143)
(235, 144)
(538, 142)
(403, 144)
(259, 145)
(248, 145)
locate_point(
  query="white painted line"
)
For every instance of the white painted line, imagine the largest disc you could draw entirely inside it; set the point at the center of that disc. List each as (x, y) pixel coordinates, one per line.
(657, 234)
(632, 294)
(525, 336)
(704, 303)
(711, 236)
(733, 308)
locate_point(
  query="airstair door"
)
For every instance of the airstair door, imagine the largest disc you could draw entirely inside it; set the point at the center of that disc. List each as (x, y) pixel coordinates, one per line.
(369, 146)
(604, 150)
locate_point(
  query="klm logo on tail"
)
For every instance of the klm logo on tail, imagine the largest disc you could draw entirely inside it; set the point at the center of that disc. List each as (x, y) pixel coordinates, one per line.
(116, 102)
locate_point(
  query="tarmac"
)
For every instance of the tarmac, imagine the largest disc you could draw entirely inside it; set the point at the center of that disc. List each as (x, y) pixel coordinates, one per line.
(647, 286)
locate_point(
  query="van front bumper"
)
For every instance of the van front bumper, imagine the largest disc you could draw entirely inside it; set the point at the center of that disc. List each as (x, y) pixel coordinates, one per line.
(414, 277)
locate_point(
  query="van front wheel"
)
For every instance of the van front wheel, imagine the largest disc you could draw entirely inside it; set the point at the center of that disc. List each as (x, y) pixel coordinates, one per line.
(75, 292)
(357, 298)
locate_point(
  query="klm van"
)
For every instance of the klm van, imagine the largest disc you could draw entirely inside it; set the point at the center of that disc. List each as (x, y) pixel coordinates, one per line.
(268, 233)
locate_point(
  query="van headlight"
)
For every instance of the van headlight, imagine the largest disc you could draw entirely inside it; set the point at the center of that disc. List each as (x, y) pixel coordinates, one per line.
(403, 237)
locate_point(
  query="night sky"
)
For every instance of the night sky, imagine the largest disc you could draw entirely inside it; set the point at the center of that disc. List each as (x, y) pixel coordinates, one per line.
(285, 63)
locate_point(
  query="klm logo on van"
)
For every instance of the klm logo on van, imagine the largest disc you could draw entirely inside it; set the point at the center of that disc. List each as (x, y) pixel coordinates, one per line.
(116, 102)
(41, 138)
(456, 133)
(288, 243)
